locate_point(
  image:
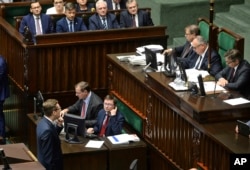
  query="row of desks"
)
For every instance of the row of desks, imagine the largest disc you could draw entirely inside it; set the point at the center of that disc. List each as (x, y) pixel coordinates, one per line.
(108, 157)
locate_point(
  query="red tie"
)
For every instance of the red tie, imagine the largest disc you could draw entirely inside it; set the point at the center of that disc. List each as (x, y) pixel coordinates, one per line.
(104, 125)
(83, 109)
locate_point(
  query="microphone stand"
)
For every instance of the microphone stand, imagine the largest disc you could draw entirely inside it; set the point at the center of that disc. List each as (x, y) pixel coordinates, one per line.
(210, 41)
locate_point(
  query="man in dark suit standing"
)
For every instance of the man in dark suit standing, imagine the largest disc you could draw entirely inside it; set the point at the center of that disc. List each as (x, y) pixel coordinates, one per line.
(110, 120)
(36, 22)
(70, 23)
(132, 17)
(236, 75)
(87, 106)
(48, 142)
(4, 93)
(102, 20)
(116, 4)
(201, 60)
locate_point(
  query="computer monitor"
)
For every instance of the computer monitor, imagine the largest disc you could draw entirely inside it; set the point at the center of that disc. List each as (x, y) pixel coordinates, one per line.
(170, 65)
(151, 60)
(38, 105)
(183, 72)
(74, 126)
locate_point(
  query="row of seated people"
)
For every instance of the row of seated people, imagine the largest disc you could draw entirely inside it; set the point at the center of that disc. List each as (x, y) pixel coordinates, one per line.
(197, 54)
(38, 23)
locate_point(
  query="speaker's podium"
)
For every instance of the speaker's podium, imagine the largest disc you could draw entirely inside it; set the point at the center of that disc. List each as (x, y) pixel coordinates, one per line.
(18, 157)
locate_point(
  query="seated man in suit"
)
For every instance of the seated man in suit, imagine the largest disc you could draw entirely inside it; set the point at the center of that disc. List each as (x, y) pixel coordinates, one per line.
(84, 6)
(132, 17)
(49, 150)
(110, 119)
(236, 75)
(87, 105)
(116, 4)
(191, 31)
(36, 22)
(58, 8)
(70, 23)
(200, 61)
(102, 20)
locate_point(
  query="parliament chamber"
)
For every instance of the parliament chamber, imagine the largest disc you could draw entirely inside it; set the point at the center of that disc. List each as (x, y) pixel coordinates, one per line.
(178, 130)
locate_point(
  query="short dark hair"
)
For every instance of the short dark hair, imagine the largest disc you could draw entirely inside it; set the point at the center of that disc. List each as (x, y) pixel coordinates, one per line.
(233, 55)
(70, 6)
(111, 97)
(193, 29)
(49, 106)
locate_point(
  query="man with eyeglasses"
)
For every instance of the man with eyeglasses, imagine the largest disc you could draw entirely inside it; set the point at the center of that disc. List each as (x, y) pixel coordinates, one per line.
(102, 19)
(87, 105)
(236, 75)
(58, 8)
(183, 51)
(200, 61)
(36, 22)
(49, 151)
(109, 121)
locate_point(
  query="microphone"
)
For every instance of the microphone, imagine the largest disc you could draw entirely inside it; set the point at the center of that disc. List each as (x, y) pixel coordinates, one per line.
(146, 67)
(4, 160)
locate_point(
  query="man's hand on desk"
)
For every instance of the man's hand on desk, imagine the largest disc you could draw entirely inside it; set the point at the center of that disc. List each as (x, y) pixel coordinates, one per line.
(90, 130)
(222, 82)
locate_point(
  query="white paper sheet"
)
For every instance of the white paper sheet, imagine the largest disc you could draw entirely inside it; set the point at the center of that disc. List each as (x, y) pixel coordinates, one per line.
(237, 101)
(94, 144)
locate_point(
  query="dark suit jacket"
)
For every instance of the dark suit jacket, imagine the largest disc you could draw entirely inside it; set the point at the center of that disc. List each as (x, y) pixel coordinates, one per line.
(180, 51)
(143, 18)
(62, 25)
(4, 83)
(49, 145)
(110, 6)
(95, 105)
(215, 63)
(29, 21)
(114, 126)
(95, 22)
(90, 6)
(241, 80)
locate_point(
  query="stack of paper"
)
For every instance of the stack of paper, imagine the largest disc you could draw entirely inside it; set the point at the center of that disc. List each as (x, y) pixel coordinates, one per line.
(123, 138)
(153, 47)
(137, 60)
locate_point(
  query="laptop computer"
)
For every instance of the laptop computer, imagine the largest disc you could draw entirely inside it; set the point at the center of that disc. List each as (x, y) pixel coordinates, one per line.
(243, 128)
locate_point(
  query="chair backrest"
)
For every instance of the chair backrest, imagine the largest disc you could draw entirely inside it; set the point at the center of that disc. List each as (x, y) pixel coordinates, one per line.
(204, 26)
(228, 40)
(133, 165)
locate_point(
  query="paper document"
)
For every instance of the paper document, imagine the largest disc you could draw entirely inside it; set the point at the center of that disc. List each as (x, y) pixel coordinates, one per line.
(94, 144)
(123, 138)
(211, 88)
(192, 74)
(154, 47)
(237, 101)
(178, 87)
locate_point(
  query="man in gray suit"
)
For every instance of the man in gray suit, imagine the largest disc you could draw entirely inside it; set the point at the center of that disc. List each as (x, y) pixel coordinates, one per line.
(87, 106)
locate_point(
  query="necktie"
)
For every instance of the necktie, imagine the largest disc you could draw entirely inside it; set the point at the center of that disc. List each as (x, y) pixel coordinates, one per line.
(133, 21)
(116, 6)
(38, 27)
(186, 51)
(232, 75)
(104, 23)
(104, 125)
(71, 26)
(197, 65)
(83, 109)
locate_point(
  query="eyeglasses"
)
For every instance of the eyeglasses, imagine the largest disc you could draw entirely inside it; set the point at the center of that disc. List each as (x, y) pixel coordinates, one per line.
(229, 62)
(196, 46)
(58, 109)
(36, 7)
(108, 104)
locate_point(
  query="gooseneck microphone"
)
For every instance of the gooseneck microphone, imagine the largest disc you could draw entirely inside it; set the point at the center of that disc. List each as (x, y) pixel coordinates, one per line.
(4, 160)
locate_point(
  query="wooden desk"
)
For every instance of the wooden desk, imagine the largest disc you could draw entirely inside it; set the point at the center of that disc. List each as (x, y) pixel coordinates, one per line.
(120, 156)
(26, 166)
(17, 153)
(172, 128)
